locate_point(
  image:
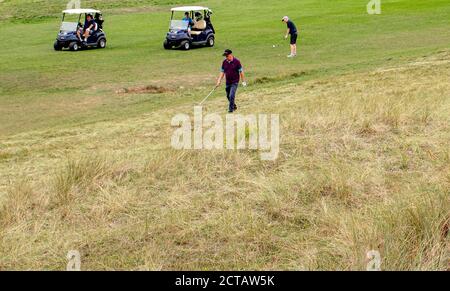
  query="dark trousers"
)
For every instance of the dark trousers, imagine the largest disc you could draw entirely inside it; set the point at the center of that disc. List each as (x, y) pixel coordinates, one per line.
(231, 95)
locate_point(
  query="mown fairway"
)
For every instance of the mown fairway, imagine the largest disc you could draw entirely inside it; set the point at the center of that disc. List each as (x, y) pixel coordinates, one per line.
(42, 88)
(364, 163)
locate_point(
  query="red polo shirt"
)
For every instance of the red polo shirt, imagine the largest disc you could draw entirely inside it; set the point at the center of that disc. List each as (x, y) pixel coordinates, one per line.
(232, 71)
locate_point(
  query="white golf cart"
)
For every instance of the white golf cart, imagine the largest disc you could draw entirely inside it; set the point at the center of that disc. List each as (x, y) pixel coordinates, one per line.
(71, 23)
(184, 33)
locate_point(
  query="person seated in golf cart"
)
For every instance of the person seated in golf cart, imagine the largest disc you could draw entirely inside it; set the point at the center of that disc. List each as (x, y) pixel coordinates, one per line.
(190, 22)
(199, 25)
(188, 19)
(90, 26)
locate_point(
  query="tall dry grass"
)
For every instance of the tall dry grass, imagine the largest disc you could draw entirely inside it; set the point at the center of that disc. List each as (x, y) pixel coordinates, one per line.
(364, 165)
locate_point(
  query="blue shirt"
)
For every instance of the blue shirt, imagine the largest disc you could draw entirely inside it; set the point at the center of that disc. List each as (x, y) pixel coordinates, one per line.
(189, 20)
(89, 23)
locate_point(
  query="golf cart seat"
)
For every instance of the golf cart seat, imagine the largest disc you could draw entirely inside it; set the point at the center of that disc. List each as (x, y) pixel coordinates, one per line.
(199, 25)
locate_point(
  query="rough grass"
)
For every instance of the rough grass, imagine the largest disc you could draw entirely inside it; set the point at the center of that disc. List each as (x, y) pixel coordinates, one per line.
(28, 11)
(364, 165)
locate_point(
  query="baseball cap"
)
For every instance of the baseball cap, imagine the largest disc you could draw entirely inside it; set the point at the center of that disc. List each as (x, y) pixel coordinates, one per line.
(285, 18)
(227, 52)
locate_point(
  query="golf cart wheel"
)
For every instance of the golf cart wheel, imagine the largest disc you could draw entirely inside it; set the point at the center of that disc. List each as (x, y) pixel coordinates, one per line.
(73, 46)
(211, 41)
(186, 45)
(56, 46)
(101, 43)
(166, 45)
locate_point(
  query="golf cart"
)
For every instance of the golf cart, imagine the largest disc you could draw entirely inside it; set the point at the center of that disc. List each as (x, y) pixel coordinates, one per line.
(185, 35)
(71, 23)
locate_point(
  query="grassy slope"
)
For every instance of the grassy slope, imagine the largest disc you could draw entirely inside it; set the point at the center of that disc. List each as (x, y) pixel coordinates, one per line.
(364, 165)
(42, 88)
(364, 162)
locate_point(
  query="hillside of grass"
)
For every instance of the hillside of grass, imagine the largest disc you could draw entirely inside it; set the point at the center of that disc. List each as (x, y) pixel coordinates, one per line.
(86, 162)
(364, 165)
(41, 88)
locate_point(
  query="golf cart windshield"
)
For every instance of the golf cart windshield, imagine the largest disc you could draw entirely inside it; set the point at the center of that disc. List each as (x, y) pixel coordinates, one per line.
(68, 26)
(179, 25)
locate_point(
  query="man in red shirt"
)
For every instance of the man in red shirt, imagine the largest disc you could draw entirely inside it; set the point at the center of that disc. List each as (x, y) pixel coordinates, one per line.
(233, 71)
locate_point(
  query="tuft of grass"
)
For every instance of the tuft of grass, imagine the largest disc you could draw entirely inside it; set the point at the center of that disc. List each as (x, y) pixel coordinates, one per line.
(79, 175)
(20, 203)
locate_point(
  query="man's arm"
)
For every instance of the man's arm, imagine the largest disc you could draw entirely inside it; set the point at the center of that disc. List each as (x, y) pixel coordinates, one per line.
(287, 33)
(91, 26)
(243, 78)
(222, 74)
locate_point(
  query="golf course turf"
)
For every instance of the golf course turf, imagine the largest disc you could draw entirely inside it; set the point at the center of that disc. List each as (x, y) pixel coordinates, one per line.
(86, 162)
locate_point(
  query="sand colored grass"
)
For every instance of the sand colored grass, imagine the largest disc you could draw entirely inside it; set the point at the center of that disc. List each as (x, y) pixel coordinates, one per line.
(364, 164)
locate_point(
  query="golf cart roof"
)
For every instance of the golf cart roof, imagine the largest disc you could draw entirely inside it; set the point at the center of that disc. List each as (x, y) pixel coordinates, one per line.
(81, 11)
(189, 8)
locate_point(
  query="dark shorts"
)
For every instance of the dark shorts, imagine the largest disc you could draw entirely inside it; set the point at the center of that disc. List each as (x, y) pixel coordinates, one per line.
(294, 38)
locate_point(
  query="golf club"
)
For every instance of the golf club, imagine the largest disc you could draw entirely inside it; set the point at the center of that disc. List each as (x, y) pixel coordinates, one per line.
(206, 98)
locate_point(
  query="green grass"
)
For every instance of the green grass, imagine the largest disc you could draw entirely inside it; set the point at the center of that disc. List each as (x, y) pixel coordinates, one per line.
(364, 160)
(42, 88)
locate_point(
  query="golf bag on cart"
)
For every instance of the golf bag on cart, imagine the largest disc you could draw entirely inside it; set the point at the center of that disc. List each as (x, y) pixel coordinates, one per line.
(208, 21)
(99, 20)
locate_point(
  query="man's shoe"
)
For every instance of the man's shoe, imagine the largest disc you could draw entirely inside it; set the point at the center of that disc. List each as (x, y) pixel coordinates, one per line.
(290, 56)
(235, 107)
